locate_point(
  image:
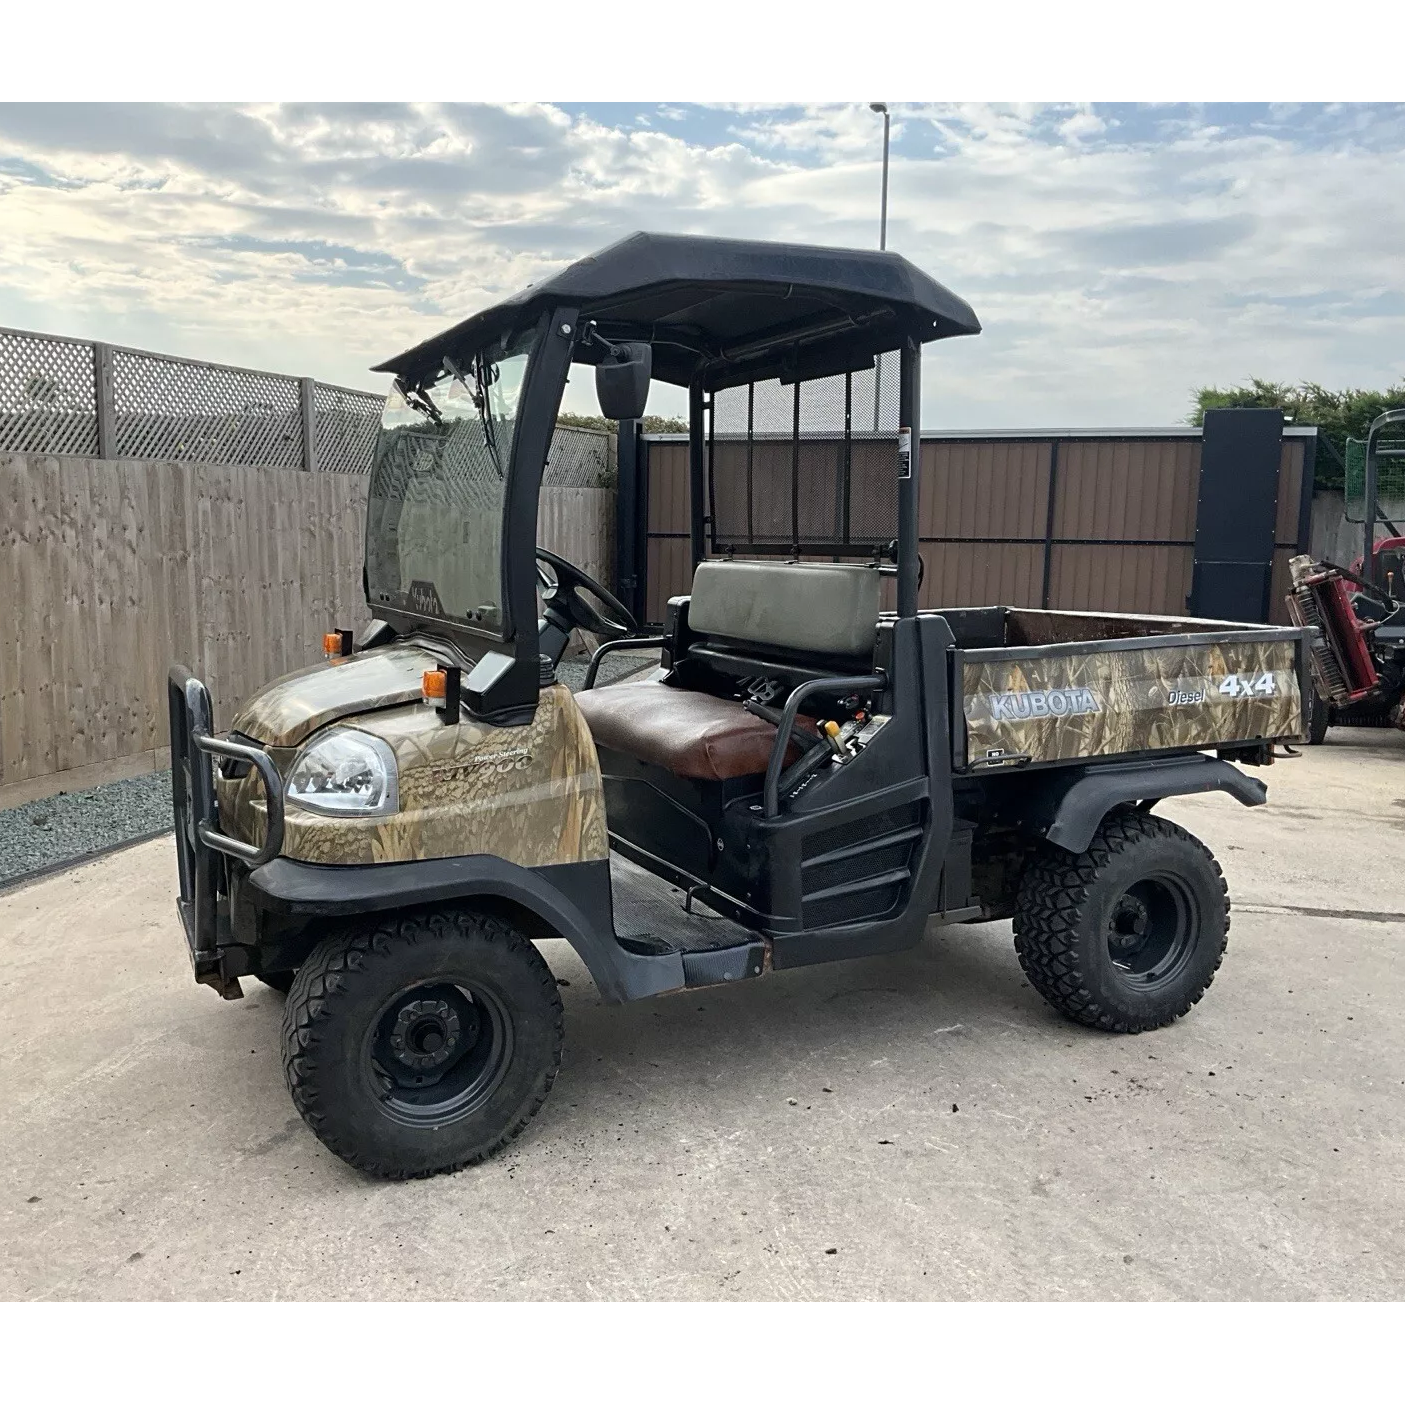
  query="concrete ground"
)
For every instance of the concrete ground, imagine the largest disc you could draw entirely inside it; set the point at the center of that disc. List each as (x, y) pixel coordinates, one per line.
(918, 1126)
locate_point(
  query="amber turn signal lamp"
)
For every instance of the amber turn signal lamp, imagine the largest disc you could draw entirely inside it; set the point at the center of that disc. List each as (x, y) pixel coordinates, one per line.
(337, 643)
(441, 692)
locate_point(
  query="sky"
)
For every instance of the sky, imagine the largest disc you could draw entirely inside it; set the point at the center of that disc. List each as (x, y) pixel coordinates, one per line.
(1118, 256)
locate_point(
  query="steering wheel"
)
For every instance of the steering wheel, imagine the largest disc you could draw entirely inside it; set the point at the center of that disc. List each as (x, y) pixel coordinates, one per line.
(561, 597)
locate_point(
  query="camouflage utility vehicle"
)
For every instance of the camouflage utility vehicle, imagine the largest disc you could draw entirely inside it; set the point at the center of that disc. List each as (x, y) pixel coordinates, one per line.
(822, 766)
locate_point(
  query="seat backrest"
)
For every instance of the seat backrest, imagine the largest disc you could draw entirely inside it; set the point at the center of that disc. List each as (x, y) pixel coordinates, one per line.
(807, 606)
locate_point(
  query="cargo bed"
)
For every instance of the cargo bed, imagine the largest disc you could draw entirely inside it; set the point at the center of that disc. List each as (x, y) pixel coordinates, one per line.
(1036, 687)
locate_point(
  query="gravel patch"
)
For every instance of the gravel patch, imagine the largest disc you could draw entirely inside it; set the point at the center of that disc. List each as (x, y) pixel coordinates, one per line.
(42, 833)
(64, 827)
(613, 667)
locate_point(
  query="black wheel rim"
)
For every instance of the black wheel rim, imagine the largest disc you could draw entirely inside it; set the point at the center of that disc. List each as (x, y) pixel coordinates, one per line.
(437, 1051)
(1151, 930)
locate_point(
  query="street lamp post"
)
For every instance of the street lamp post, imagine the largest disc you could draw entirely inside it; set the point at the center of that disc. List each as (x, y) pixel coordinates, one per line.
(881, 107)
(883, 208)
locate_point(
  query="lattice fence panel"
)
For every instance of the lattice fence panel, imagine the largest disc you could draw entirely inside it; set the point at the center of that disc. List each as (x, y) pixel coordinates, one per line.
(347, 422)
(199, 413)
(580, 458)
(165, 408)
(47, 401)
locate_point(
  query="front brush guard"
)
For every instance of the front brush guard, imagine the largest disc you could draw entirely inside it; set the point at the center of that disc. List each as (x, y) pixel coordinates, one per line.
(199, 839)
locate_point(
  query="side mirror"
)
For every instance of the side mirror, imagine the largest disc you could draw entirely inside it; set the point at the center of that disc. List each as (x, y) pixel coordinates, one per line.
(622, 380)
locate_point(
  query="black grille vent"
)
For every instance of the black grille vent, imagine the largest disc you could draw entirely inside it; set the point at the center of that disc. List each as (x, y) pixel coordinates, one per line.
(860, 870)
(841, 836)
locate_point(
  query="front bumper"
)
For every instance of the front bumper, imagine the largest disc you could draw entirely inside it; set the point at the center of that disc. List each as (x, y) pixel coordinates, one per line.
(202, 848)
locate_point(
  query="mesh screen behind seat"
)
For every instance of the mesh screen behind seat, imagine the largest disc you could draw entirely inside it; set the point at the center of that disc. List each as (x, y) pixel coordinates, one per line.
(808, 469)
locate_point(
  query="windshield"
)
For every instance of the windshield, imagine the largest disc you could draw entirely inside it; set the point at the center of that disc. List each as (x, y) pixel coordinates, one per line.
(434, 516)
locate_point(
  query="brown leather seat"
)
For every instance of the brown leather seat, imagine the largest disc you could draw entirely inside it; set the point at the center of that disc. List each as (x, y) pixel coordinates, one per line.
(690, 734)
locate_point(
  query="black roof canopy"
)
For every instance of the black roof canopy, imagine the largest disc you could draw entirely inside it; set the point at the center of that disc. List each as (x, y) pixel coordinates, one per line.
(726, 311)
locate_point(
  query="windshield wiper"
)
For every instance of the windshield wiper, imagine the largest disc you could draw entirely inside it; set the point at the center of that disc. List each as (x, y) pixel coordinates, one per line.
(482, 374)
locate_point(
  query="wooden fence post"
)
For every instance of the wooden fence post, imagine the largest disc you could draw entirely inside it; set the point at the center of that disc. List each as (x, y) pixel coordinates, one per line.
(103, 401)
(308, 404)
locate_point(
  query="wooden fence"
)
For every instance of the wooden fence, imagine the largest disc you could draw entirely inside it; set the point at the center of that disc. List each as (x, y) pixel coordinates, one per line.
(112, 570)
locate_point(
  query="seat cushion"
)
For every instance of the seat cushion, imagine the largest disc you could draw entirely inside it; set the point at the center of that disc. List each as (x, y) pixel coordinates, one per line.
(820, 607)
(690, 734)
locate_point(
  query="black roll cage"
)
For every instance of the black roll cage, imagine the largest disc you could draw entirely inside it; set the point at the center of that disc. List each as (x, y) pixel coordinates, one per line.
(718, 313)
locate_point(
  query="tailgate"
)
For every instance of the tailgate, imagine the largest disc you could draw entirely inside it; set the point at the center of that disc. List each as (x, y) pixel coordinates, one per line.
(1062, 702)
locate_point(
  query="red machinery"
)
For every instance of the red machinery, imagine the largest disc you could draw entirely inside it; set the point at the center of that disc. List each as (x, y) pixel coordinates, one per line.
(1358, 659)
(1342, 666)
(1388, 560)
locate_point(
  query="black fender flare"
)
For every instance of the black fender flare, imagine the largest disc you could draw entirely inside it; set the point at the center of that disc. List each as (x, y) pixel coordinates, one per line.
(571, 900)
(1068, 807)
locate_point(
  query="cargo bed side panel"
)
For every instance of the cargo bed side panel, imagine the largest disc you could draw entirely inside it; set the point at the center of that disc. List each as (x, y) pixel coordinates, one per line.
(1063, 704)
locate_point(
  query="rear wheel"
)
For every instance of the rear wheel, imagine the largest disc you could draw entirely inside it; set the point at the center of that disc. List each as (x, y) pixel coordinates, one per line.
(1319, 717)
(422, 1044)
(1127, 936)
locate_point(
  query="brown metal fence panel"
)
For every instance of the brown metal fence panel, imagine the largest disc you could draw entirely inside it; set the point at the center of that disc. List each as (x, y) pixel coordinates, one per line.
(983, 490)
(1123, 534)
(982, 514)
(668, 490)
(979, 573)
(1087, 521)
(1290, 533)
(1280, 584)
(670, 573)
(668, 557)
(1127, 490)
(1290, 491)
(1153, 580)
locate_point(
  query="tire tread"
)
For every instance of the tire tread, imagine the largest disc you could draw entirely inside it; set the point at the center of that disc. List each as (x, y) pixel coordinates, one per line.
(1055, 891)
(321, 979)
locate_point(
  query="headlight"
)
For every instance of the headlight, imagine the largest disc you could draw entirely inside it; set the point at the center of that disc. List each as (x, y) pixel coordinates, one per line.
(345, 773)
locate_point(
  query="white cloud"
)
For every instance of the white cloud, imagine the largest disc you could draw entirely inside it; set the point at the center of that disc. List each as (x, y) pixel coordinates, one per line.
(1083, 124)
(1116, 257)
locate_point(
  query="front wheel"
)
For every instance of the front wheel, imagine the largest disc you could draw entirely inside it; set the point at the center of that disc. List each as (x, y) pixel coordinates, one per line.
(1127, 936)
(422, 1044)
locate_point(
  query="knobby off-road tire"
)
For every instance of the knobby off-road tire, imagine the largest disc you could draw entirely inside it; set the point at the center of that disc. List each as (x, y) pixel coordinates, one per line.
(422, 1043)
(1127, 936)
